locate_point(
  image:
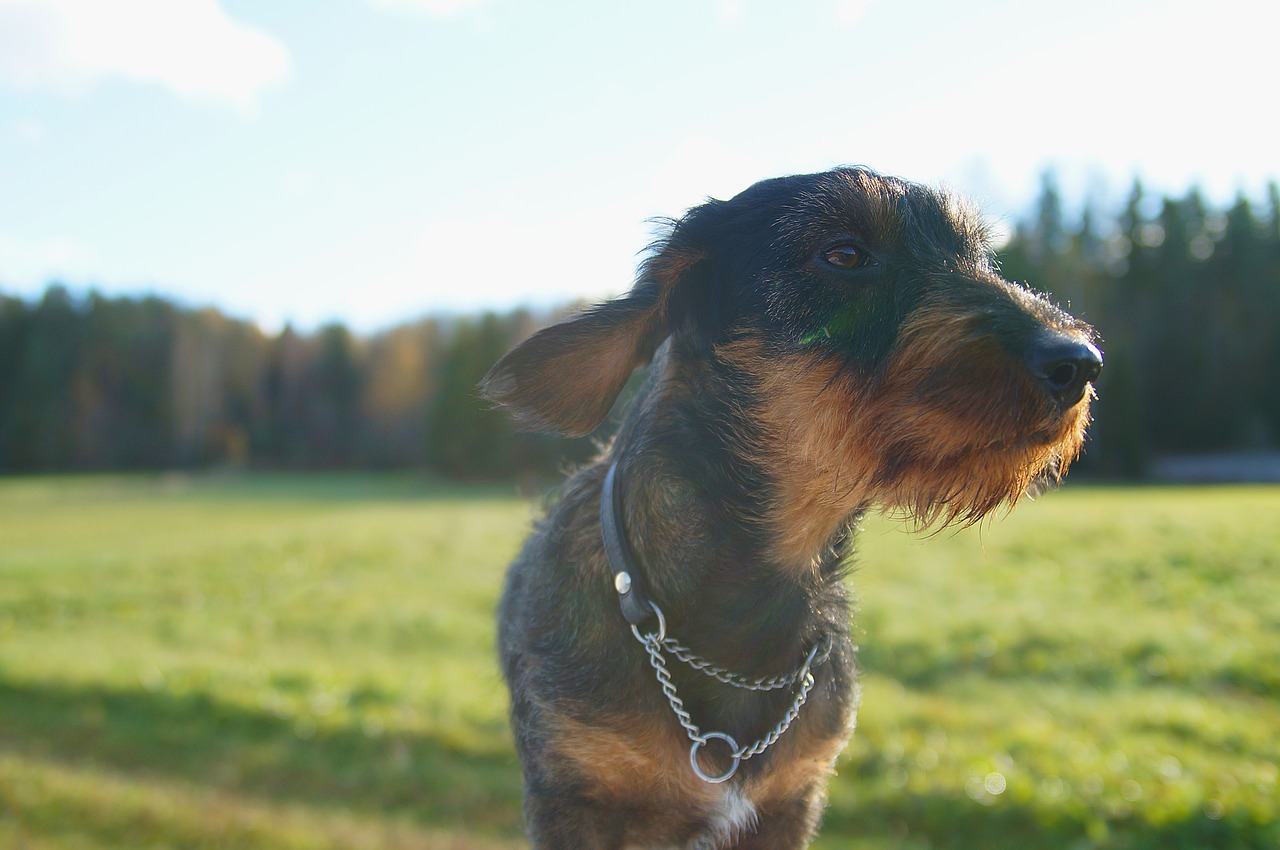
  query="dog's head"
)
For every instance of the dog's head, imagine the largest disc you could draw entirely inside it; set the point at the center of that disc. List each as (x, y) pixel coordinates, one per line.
(888, 360)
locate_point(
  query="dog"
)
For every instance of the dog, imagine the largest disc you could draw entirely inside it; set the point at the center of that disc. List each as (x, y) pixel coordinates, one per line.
(675, 632)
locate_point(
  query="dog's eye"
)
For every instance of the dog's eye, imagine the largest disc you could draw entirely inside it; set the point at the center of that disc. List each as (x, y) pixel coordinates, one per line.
(846, 256)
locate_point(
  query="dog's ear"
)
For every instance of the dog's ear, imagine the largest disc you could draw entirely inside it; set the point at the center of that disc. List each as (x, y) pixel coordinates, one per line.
(564, 379)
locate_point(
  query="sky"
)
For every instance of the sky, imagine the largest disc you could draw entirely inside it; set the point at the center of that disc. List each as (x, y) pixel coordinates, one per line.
(370, 161)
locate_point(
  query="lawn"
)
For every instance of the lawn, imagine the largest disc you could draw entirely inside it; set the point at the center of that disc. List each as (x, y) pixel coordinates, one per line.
(307, 662)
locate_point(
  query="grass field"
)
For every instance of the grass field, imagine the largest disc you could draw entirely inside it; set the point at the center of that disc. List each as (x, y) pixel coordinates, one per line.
(307, 662)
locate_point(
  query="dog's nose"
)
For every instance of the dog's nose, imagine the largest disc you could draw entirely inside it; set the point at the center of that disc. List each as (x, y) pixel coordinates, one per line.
(1064, 364)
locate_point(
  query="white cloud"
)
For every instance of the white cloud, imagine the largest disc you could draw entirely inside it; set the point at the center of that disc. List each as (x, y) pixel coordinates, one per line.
(189, 46)
(438, 8)
(849, 12)
(729, 12)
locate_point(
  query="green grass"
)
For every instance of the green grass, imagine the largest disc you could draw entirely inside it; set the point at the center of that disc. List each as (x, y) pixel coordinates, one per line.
(307, 662)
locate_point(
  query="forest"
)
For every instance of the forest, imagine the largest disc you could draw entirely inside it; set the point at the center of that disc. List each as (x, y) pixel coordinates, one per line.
(1185, 295)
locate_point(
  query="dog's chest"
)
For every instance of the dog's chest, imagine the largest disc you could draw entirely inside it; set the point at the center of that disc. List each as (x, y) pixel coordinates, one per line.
(734, 817)
(729, 821)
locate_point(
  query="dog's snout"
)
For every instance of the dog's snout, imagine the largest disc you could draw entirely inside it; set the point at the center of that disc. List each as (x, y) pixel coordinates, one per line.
(1063, 364)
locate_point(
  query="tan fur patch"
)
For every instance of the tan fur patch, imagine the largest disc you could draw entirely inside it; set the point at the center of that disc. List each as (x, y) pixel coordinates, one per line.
(801, 759)
(951, 431)
(646, 762)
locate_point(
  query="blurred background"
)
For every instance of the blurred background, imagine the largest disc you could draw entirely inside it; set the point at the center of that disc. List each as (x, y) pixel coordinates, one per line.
(287, 236)
(254, 258)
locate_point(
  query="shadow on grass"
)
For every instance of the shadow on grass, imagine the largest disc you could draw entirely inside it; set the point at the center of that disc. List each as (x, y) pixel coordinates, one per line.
(204, 741)
(933, 821)
(925, 665)
(198, 740)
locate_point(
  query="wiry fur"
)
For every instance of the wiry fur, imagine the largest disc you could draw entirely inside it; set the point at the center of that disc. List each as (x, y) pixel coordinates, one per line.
(787, 397)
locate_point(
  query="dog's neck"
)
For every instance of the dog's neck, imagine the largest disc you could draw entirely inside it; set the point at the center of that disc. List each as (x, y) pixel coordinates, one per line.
(695, 511)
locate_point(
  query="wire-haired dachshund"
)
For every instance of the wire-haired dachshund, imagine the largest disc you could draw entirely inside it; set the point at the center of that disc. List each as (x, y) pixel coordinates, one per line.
(675, 633)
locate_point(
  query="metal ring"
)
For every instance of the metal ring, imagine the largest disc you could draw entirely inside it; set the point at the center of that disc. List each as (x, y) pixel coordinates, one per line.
(697, 768)
(660, 634)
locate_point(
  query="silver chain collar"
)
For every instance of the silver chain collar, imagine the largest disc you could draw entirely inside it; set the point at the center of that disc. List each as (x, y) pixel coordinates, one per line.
(638, 609)
(654, 642)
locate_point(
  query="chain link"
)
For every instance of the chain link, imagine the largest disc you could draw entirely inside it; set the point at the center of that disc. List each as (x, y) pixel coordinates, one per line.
(659, 665)
(715, 671)
(655, 642)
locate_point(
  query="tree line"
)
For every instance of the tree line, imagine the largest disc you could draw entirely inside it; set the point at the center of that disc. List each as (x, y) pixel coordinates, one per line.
(1186, 297)
(98, 383)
